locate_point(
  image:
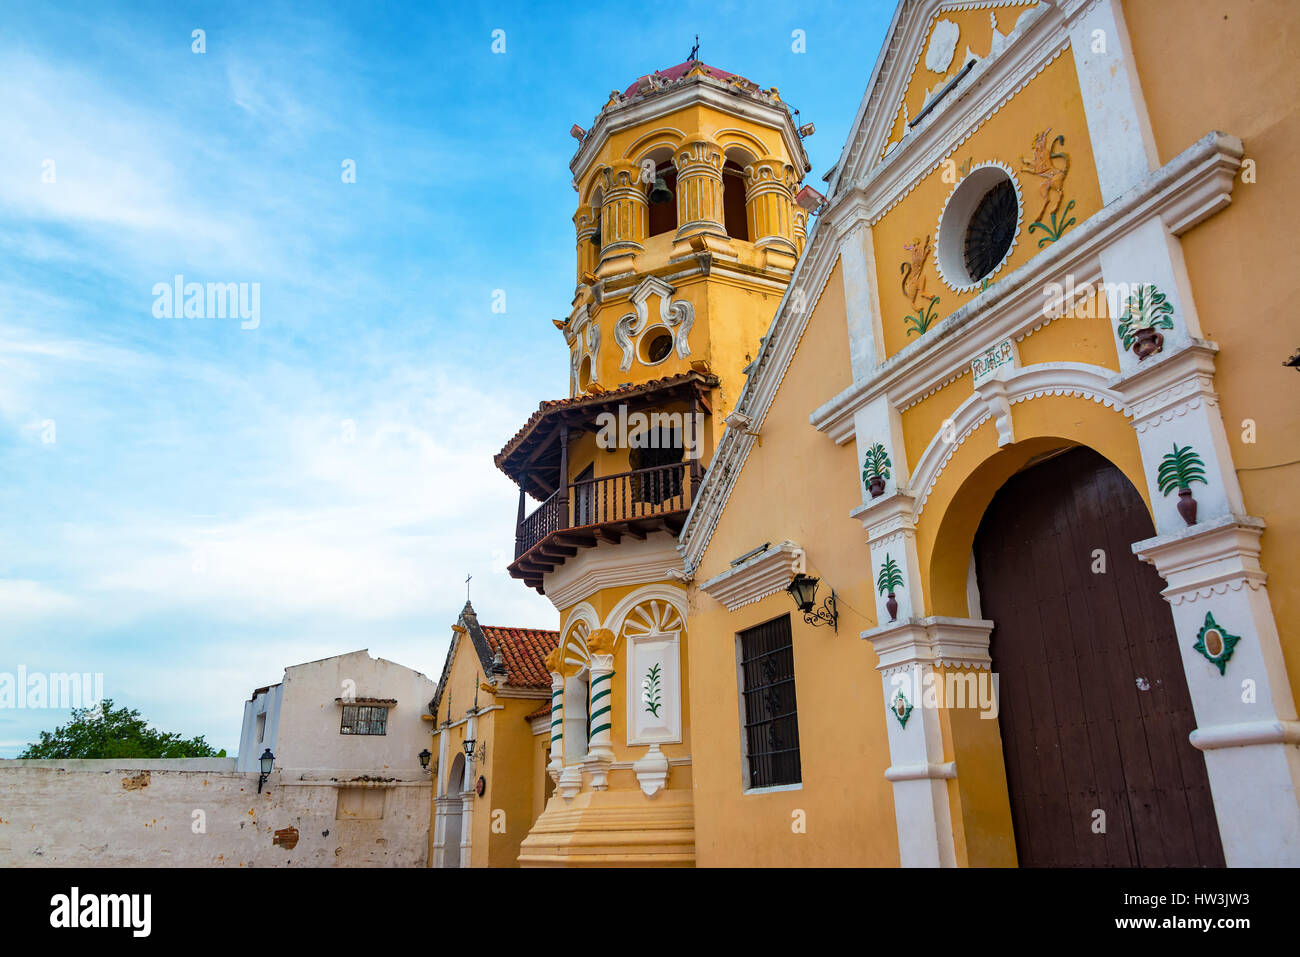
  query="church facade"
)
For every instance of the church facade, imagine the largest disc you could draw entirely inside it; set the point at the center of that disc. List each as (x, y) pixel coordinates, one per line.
(952, 531)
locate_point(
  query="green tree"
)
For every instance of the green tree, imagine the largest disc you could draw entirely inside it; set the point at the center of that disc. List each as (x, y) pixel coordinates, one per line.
(102, 731)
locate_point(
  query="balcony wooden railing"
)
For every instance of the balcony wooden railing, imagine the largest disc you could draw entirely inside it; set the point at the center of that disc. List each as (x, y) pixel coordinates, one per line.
(610, 499)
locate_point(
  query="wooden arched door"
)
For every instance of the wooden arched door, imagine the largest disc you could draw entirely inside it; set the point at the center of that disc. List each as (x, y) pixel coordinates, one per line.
(1094, 709)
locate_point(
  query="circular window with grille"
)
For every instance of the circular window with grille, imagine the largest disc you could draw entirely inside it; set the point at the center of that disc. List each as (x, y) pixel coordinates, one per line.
(655, 345)
(978, 227)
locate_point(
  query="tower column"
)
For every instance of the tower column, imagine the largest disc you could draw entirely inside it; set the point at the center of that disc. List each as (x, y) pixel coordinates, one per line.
(586, 222)
(624, 217)
(699, 189)
(556, 764)
(600, 706)
(769, 204)
(800, 221)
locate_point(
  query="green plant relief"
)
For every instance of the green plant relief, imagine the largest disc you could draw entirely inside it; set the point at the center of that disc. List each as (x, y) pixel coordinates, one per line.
(890, 578)
(650, 691)
(923, 320)
(1179, 469)
(876, 464)
(1055, 230)
(1146, 308)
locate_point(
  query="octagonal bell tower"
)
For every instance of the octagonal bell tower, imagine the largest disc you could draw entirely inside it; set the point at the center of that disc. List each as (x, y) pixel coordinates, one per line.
(689, 223)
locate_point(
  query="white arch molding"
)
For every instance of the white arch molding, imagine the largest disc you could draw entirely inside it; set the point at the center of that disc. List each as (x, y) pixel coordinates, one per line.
(617, 616)
(993, 400)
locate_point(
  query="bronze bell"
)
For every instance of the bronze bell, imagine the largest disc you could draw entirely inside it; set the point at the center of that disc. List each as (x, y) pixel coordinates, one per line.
(660, 193)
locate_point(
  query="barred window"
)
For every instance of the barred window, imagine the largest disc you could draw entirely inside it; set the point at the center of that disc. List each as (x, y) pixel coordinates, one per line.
(771, 717)
(364, 719)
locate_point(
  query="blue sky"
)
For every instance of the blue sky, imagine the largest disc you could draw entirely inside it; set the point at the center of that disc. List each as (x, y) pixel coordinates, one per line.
(188, 506)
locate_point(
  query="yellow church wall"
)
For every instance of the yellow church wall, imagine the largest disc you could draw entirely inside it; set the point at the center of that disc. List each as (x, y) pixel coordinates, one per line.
(1083, 335)
(979, 799)
(1244, 294)
(510, 786)
(924, 420)
(1050, 100)
(796, 485)
(541, 756)
(509, 742)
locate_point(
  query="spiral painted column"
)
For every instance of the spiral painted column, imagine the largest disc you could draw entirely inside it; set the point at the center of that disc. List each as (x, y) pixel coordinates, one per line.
(600, 708)
(556, 764)
(769, 203)
(699, 188)
(625, 213)
(586, 222)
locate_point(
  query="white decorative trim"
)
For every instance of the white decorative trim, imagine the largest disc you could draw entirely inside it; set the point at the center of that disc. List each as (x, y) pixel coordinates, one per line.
(1169, 385)
(580, 612)
(967, 203)
(652, 771)
(1209, 558)
(942, 46)
(946, 771)
(755, 579)
(1246, 734)
(611, 566)
(936, 641)
(672, 594)
(1019, 385)
(694, 91)
(678, 316)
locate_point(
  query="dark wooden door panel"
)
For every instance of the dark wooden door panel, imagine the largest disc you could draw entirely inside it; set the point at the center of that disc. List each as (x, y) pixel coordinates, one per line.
(1094, 710)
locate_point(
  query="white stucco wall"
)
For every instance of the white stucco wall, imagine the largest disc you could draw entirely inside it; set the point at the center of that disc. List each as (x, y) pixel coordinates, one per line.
(201, 812)
(308, 733)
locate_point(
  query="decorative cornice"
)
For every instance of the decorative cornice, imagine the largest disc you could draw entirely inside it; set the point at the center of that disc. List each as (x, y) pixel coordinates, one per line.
(1169, 385)
(609, 566)
(935, 642)
(1209, 558)
(691, 90)
(755, 579)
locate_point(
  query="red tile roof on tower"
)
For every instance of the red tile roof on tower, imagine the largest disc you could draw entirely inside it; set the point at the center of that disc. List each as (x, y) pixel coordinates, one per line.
(524, 651)
(677, 72)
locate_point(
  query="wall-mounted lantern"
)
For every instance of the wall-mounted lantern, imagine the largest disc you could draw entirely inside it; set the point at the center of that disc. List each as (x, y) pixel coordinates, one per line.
(803, 589)
(425, 758)
(468, 745)
(265, 763)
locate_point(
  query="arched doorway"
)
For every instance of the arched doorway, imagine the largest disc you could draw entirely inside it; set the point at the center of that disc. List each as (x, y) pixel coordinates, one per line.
(1093, 704)
(451, 831)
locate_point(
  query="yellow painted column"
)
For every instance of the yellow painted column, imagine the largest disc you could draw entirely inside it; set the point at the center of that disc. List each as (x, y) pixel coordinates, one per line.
(800, 220)
(769, 203)
(586, 221)
(624, 217)
(699, 189)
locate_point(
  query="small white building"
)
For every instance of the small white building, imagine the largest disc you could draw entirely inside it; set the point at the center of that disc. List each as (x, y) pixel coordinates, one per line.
(348, 712)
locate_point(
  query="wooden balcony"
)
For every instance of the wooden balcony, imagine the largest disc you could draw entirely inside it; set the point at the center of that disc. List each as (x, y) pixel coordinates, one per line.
(603, 509)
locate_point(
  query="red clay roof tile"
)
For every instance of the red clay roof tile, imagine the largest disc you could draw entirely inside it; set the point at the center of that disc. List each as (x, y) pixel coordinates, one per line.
(524, 652)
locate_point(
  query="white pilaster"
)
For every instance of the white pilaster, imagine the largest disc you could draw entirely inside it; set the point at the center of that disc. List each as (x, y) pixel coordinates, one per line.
(1241, 695)
(909, 653)
(1124, 149)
